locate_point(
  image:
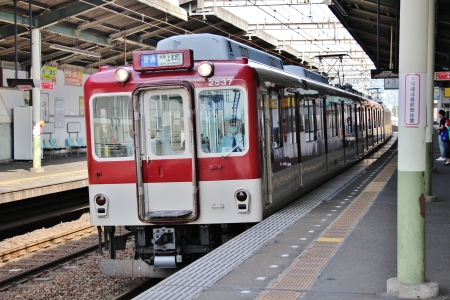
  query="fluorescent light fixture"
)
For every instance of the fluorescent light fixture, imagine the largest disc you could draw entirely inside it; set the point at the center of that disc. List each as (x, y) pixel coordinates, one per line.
(75, 50)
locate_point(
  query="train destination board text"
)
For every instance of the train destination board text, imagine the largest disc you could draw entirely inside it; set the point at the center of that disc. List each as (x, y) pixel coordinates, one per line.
(160, 60)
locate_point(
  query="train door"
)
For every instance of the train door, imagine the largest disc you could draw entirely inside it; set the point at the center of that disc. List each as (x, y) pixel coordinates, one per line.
(267, 147)
(167, 174)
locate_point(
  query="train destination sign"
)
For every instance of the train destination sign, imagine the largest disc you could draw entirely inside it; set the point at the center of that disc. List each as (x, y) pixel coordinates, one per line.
(163, 60)
(157, 60)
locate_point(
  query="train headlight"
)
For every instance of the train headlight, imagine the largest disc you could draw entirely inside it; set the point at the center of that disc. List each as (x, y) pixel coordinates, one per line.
(205, 69)
(242, 199)
(101, 205)
(241, 195)
(100, 199)
(122, 74)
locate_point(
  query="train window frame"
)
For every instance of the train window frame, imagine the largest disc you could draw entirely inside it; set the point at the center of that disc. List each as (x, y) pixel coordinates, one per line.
(202, 146)
(149, 144)
(334, 119)
(288, 117)
(278, 135)
(95, 149)
(310, 122)
(170, 138)
(349, 125)
(292, 124)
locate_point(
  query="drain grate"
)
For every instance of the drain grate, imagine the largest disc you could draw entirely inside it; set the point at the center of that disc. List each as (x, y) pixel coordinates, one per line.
(307, 266)
(198, 276)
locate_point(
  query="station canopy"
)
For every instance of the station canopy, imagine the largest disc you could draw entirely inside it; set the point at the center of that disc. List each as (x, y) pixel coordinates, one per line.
(334, 37)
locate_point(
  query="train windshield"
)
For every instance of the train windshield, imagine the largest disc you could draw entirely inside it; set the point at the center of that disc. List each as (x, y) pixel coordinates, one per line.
(113, 126)
(222, 121)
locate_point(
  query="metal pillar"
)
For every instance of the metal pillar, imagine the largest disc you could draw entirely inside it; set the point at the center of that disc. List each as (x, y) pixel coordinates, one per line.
(411, 155)
(430, 102)
(36, 96)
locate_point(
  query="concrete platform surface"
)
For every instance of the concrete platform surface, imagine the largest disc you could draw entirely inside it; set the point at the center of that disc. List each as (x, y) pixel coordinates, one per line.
(60, 173)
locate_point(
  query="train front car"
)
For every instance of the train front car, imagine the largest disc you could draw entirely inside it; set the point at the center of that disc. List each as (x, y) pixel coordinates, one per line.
(173, 155)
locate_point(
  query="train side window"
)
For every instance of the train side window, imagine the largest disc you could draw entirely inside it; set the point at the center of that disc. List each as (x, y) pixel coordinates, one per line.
(274, 104)
(293, 117)
(112, 126)
(349, 123)
(308, 115)
(222, 121)
(358, 119)
(333, 119)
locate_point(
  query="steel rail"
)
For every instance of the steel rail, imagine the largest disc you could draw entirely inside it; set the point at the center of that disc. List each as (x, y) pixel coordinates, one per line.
(26, 275)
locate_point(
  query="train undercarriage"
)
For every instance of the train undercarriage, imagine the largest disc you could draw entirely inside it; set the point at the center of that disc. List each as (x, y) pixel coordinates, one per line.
(159, 251)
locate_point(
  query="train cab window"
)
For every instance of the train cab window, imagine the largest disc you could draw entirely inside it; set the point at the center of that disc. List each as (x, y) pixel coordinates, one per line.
(166, 124)
(333, 119)
(276, 136)
(308, 120)
(222, 121)
(112, 126)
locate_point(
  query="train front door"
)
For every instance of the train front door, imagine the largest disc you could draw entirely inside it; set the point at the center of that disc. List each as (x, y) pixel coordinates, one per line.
(166, 167)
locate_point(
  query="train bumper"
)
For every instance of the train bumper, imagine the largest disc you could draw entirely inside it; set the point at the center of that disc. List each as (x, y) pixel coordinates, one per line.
(132, 268)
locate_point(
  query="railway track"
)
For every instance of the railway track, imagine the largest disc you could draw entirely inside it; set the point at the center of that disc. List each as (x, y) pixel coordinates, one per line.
(24, 263)
(20, 217)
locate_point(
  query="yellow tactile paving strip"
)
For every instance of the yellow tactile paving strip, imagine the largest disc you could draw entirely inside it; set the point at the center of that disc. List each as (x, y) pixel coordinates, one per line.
(299, 276)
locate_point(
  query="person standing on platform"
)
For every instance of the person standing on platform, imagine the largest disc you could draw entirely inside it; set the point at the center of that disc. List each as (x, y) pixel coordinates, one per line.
(447, 143)
(441, 127)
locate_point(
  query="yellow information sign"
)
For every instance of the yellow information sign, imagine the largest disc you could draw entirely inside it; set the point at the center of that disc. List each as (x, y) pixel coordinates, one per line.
(48, 73)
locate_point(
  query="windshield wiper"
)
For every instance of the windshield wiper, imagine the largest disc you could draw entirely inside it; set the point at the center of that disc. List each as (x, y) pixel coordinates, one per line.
(226, 154)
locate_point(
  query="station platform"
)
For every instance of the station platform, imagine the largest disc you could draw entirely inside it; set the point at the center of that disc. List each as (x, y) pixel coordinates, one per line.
(337, 242)
(60, 174)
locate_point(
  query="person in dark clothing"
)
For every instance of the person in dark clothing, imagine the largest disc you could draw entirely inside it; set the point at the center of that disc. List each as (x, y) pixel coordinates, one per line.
(447, 144)
(441, 127)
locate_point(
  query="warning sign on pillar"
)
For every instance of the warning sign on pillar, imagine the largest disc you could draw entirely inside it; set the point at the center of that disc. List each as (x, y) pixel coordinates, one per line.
(412, 104)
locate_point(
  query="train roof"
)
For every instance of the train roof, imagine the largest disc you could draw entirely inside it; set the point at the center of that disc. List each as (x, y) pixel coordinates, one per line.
(215, 47)
(302, 72)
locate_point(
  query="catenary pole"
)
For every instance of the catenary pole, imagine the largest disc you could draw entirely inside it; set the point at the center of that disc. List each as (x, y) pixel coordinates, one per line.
(410, 281)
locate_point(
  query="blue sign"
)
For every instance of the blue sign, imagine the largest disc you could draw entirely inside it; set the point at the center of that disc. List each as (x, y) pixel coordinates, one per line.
(149, 60)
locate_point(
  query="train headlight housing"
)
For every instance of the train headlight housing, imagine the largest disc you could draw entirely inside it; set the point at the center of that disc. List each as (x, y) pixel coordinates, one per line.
(206, 69)
(241, 195)
(101, 205)
(242, 199)
(122, 74)
(100, 199)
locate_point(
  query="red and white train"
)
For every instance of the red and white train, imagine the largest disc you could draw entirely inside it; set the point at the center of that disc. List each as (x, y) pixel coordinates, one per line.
(205, 132)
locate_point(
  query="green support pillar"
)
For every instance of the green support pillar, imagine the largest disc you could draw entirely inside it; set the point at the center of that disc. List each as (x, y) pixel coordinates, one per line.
(411, 227)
